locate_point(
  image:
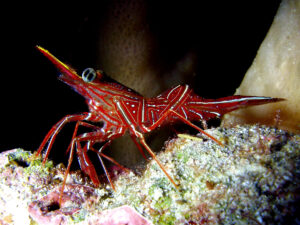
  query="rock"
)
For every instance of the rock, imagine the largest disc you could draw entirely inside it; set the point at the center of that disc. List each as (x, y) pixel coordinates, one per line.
(254, 179)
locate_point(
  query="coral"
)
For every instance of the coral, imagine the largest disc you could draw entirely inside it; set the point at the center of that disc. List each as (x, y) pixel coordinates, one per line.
(275, 72)
(254, 179)
(130, 53)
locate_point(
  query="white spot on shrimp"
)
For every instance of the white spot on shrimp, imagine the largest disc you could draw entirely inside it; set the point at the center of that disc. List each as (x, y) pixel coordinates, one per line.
(132, 105)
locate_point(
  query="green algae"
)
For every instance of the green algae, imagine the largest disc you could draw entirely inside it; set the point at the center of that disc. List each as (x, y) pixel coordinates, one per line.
(19, 158)
(79, 216)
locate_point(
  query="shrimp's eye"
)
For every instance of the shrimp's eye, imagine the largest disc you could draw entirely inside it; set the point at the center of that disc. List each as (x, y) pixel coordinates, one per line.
(88, 75)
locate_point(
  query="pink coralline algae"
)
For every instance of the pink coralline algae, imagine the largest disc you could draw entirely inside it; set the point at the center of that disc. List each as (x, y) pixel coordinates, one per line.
(119, 216)
(47, 210)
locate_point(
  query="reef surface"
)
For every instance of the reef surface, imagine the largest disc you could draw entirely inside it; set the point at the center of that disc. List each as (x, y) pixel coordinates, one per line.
(253, 179)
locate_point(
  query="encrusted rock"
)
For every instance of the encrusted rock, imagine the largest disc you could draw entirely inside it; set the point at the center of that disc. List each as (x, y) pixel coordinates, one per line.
(254, 179)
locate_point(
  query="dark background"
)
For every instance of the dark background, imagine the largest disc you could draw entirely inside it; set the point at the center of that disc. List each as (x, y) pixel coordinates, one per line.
(225, 36)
